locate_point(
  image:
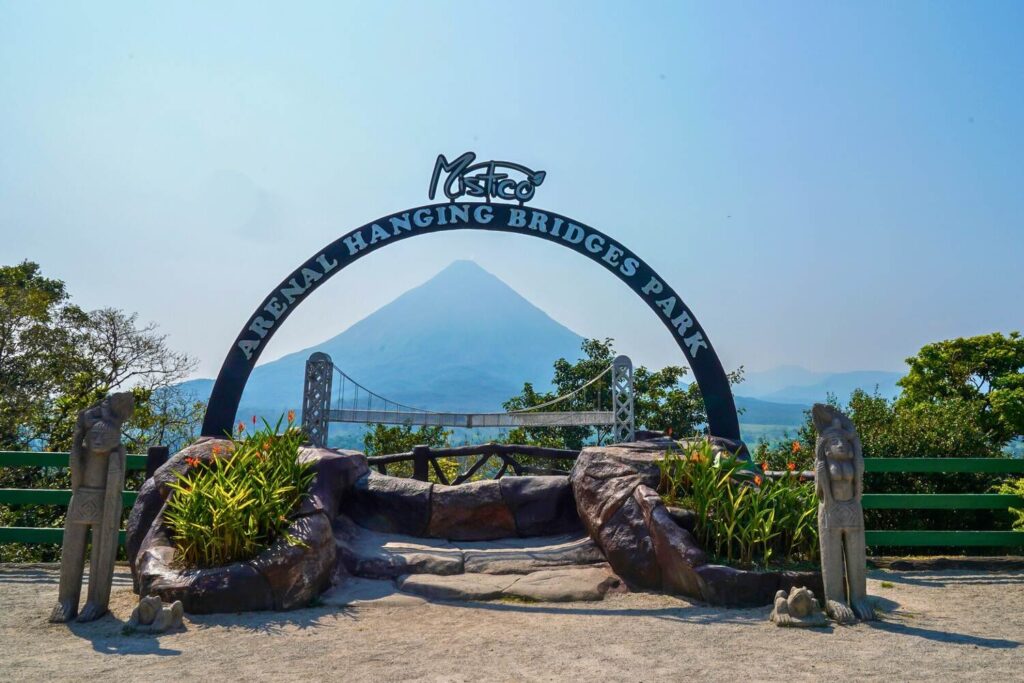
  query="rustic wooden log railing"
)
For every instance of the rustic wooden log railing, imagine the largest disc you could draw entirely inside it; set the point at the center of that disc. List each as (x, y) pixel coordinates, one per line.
(424, 458)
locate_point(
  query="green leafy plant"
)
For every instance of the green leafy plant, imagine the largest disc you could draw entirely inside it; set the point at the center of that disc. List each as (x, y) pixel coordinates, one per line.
(742, 517)
(1014, 488)
(232, 508)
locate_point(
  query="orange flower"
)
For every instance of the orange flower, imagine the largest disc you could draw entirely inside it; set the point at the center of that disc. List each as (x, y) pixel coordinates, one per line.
(192, 462)
(216, 450)
(253, 420)
(791, 466)
(241, 427)
(291, 416)
(796, 447)
(757, 479)
(764, 466)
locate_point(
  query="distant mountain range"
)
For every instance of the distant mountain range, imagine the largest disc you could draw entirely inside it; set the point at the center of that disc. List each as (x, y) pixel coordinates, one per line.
(465, 340)
(793, 384)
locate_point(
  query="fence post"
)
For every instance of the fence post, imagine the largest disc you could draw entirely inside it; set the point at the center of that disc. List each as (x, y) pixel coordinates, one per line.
(155, 457)
(420, 462)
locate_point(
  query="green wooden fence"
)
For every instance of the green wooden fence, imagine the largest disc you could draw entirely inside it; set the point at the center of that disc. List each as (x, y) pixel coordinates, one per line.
(146, 463)
(872, 501)
(944, 501)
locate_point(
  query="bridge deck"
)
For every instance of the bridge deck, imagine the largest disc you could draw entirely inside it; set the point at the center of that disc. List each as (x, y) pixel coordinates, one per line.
(470, 420)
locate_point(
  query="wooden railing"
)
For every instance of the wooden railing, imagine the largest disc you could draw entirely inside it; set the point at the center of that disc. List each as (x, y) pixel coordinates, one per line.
(943, 501)
(424, 457)
(148, 463)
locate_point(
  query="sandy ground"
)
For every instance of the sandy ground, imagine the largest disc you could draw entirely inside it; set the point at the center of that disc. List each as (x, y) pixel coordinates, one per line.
(936, 626)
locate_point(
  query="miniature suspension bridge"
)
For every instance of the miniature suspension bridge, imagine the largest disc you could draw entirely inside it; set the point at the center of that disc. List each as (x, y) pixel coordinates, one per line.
(330, 395)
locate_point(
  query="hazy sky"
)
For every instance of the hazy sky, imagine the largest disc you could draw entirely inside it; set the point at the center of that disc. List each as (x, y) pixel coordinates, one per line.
(829, 186)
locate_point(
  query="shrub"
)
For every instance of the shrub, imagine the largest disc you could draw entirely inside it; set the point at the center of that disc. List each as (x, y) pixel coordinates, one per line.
(1014, 488)
(741, 517)
(230, 509)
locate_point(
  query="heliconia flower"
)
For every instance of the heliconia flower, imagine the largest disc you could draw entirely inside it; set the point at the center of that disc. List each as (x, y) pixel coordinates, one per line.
(253, 420)
(291, 416)
(796, 447)
(764, 466)
(241, 427)
(191, 461)
(791, 466)
(757, 479)
(216, 450)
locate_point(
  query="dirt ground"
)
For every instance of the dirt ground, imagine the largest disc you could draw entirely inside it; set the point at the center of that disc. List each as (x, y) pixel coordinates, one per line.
(935, 626)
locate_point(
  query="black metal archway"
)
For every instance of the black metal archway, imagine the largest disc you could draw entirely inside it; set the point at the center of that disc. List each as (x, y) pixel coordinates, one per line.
(595, 245)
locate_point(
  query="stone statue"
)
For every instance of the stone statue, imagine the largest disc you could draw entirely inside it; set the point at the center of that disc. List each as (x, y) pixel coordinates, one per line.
(839, 473)
(97, 479)
(153, 616)
(800, 608)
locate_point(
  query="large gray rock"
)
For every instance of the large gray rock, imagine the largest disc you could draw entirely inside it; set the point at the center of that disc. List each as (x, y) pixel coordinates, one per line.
(628, 546)
(541, 506)
(574, 584)
(470, 512)
(390, 504)
(456, 587)
(378, 555)
(526, 555)
(571, 584)
(603, 478)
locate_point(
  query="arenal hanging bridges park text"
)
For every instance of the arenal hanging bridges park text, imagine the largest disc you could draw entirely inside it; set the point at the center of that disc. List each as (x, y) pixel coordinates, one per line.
(503, 217)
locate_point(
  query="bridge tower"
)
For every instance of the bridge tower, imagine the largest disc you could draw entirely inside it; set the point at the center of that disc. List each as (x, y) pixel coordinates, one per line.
(623, 425)
(316, 398)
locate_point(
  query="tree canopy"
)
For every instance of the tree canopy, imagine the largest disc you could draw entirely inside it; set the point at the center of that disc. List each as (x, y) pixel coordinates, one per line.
(56, 358)
(661, 401)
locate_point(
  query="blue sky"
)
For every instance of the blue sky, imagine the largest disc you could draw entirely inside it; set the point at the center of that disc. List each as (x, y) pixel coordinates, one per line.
(829, 185)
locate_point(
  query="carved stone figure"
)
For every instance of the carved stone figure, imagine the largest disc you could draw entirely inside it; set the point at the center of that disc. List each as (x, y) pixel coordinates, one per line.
(800, 608)
(839, 473)
(153, 616)
(97, 479)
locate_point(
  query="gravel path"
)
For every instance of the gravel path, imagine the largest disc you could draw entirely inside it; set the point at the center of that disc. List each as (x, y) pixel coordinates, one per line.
(937, 626)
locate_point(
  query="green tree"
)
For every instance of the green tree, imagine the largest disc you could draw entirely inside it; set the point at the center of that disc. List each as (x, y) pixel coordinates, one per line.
(984, 373)
(384, 440)
(660, 399)
(56, 359)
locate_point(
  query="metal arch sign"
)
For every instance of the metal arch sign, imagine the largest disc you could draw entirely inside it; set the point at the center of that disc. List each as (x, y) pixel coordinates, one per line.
(424, 220)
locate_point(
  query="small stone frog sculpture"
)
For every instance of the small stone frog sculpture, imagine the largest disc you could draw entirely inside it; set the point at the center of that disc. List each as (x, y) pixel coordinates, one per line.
(97, 478)
(153, 616)
(799, 608)
(839, 475)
